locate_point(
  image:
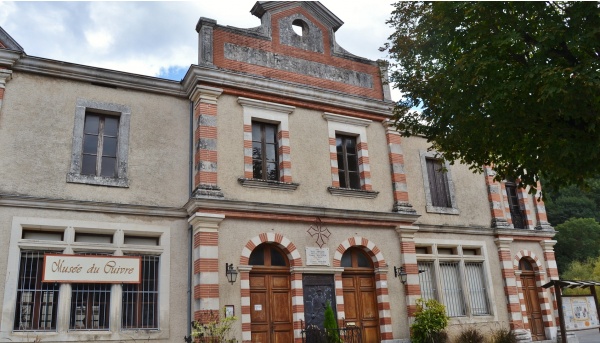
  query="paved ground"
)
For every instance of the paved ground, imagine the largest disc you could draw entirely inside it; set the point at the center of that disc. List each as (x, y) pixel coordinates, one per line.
(588, 336)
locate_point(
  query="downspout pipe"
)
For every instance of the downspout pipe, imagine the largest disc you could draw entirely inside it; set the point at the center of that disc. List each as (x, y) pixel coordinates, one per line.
(190, 228)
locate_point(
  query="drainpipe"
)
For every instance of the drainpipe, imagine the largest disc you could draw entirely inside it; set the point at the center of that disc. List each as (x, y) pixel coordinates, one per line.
(190, 229)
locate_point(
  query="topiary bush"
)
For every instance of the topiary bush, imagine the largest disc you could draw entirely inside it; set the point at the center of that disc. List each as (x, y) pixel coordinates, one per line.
(430, 322)
(331, 326)
(470, 335)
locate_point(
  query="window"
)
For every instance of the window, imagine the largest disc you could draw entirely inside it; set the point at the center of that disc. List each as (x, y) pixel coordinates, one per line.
(347, 158)
(516, 214)
(100, 144)
(458, 281)
(100, 137)
(37, 302)
(140, 301)
(265, 161)
(112, 311)
(438, 184)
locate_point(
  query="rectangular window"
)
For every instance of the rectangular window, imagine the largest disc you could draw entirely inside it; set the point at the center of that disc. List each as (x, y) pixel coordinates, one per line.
(451, 289)
(140, 301)
(517, 216)
(347, 158)
(427, 280)
(100, 139)
(265, 155)
(477, 289)
(438, 183)
(90, 306)
(36, 301)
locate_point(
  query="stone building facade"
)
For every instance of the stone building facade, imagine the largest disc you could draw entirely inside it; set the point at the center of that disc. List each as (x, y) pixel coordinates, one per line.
(274, 155)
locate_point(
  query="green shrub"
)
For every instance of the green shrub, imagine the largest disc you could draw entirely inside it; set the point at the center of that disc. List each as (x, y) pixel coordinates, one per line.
(213, 328)
(470, 335)
(331, 326)
(430, 322)
(504, 336)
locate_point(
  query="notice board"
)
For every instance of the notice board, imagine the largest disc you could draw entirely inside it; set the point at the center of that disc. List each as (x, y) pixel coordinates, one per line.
(580, 312)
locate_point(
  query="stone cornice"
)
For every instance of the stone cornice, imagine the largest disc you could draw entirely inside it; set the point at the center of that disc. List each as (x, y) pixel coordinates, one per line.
(202, 205)
(346, 120)
(111, 78)
(525, 234)
(9, 57)
(10, 200)
(227, 78)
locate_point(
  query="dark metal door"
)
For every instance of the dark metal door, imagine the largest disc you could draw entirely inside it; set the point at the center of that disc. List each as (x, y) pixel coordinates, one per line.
(318, 290)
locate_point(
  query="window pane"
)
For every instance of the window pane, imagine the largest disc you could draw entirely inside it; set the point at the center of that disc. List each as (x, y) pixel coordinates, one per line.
(347, 259)
(90, 144)
(270, 133)
(36, 301)
(257, 150)
(111, 126)
(109, 147)
(277, 259)
(354, 180)
(342, 176)
(88, 165)
(256, 133)
(140, 301)
(92, 124)
(271, 153)
(350, 145)
(109, 166)
(477, 290)
(257, 257)
(362, 259)
(451, 289)
(427, 280)
(338, 144)
(352, 163)
(257, 169)
(272, 173)
(90, 307)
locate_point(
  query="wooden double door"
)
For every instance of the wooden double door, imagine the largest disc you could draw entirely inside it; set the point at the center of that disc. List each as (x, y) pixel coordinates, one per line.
(360, 304)
(271, 308)
(532, 305)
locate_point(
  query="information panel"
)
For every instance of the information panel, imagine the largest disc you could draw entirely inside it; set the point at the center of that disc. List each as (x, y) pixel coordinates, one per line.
(92, 269)
(580, 312)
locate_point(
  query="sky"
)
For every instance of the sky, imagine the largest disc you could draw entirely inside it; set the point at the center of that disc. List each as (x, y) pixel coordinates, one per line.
(159, 38)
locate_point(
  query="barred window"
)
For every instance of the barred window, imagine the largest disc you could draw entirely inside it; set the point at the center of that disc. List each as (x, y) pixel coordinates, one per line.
(36, 301)
(451, 289)
(90, 306)
(477, 290)
(140, 301)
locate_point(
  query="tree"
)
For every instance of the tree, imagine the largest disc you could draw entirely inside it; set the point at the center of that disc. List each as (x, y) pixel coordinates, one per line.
(577, 240)
(515, 85)
(572, 202)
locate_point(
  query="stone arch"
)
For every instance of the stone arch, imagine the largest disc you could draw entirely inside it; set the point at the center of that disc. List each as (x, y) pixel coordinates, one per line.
(537, 265)
(295, 260)
(380, 265)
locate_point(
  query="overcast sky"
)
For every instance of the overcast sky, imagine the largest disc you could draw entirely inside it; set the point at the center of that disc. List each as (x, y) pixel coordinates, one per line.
(159, 38)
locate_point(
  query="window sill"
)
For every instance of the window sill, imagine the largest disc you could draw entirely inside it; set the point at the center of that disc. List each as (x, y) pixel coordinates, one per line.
(98, 180)
(442, 210)
(270, 184)
(350, 192)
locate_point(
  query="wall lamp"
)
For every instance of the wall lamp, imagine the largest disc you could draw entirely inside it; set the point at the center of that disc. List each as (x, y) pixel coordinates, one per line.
(401, 273)
(230, 273)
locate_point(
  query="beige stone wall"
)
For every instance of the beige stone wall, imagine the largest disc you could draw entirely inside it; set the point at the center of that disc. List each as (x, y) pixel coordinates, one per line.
(178, 263)
(470, 190)
(36, 132)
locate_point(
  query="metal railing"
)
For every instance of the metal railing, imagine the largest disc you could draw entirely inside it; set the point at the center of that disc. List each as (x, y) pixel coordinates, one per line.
(315, 334)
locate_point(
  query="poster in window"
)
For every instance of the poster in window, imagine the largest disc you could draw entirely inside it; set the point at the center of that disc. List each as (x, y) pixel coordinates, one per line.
(580, 312)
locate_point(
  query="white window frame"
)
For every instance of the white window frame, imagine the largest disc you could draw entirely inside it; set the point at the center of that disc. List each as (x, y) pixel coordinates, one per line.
(124, 114)
(424, 155)
(434, 257)
(68, 246)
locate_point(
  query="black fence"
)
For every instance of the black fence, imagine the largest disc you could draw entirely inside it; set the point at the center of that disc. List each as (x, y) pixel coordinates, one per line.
(315, 334)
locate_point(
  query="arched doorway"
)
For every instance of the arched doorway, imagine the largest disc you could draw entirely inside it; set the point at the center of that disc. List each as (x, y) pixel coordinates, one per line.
(532, 300)
(360, 297)
(270, 295)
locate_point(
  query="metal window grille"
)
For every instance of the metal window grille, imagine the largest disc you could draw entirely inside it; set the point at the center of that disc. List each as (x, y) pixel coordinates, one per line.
(427, 280)
(140, 301)
(451, 289)
(36, 301)
(438, 183)
(477, 291)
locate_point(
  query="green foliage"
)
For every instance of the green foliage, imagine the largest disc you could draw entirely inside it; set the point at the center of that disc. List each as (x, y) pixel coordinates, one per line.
(573, 202)
(214, 328)
(578, 239)
(503, 336)
(587, 270)
(509, 84)
(430, 322)
(470, 335)
(331, 326)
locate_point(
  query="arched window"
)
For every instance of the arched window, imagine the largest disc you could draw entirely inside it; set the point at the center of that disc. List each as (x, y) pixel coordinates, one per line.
(356, 258)
(268, 255)
(525, 265)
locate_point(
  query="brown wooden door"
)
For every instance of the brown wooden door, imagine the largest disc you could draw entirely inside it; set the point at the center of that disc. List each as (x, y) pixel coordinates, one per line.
(271, 308)
(532, 305)
(360, 304)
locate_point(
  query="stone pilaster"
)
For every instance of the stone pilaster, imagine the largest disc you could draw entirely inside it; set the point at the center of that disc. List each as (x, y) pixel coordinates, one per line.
(396, 157)
(510, 282)
(408, 252)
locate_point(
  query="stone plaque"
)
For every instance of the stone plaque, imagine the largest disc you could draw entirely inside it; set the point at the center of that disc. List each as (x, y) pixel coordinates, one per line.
(317, 256)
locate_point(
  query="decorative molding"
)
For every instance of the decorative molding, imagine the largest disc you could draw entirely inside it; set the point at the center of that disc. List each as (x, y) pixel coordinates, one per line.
(5, 76)
(208, 191)
(11, 200)
(270, 184)
(350, 192)
(346, 120)
(310, 212)
(203, 221)
(205, 94)
(252, 83)
(265, 105)
(8, 57)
